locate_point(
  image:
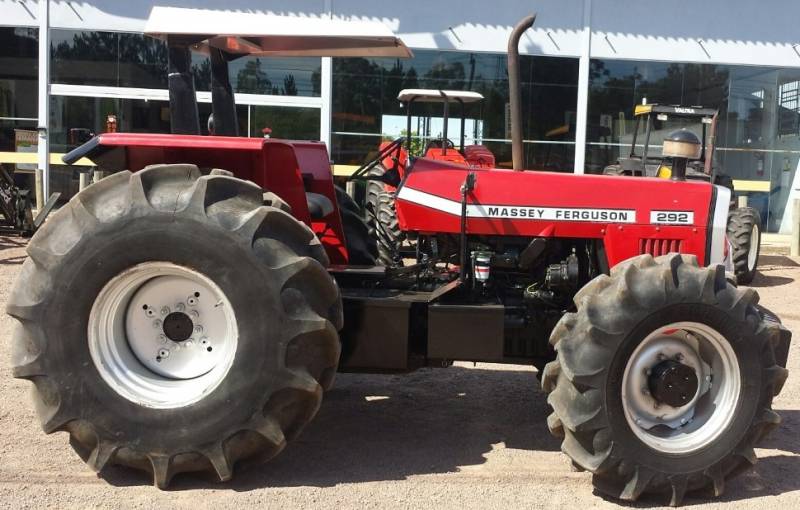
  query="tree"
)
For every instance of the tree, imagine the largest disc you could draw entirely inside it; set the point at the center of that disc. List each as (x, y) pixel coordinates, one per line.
(289, 85)
(251, 79)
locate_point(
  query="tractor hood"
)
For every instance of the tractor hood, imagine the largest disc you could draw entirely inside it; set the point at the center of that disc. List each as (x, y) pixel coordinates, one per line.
(632, 216)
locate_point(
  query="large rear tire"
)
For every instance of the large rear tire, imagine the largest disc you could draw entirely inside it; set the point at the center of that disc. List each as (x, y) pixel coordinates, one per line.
(744, 234)
(172, 323)
(617, 418)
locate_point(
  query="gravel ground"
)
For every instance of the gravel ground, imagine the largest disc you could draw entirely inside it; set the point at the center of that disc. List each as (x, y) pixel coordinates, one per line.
(464, 437)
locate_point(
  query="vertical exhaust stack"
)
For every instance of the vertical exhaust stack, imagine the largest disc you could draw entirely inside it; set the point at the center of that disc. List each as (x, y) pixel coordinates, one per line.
(223, 103)
(515, 91)
(183, 116)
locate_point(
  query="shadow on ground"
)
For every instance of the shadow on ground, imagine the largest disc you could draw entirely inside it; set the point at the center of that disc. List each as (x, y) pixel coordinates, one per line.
(389, 427)
(8, 255)
(767, 264)
(772, 475)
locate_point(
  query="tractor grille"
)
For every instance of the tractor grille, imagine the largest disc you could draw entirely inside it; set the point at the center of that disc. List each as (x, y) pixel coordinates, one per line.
(657, 247)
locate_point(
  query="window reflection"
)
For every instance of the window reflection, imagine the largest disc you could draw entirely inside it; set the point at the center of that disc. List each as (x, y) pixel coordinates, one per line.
(81, 57)
(298, 76)
(18, 72)
(365, 99)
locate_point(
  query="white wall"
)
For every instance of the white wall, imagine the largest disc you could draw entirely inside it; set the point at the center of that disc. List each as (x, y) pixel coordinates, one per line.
(711, 31)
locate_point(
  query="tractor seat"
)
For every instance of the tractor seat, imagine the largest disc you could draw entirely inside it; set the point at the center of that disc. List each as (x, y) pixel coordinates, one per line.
(319, 206)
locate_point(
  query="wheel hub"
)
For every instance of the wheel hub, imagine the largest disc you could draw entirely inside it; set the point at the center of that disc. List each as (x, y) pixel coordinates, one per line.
(178, 326)
(162, 335)
(680, 387)
(673, 383)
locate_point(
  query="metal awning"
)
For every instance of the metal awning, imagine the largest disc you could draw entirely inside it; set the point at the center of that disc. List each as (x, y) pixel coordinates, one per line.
(244, 33)
(439, 96)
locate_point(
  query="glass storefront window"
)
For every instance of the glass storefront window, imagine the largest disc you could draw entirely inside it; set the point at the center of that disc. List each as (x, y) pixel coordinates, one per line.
(291, 123)
(287, 76)
(107, 58)
(19, 66)
(365, 98)
(83, 57)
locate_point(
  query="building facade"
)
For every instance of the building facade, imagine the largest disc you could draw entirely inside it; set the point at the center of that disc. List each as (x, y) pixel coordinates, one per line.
(585, 65)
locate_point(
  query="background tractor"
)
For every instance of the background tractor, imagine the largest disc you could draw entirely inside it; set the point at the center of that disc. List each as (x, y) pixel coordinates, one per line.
(175, 317)
(655, 123)
(384, 172)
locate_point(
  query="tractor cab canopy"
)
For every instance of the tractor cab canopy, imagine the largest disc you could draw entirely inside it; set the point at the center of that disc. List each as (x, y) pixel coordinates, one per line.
(681, 111)
(226, 35)
(655, 122)
(445, 97)
(246, 33)
(439, 96)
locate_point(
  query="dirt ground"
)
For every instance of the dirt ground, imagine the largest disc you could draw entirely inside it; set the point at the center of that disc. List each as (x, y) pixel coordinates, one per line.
(465, 437)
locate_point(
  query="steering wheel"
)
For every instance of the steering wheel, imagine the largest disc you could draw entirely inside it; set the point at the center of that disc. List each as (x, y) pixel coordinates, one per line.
(437, 144)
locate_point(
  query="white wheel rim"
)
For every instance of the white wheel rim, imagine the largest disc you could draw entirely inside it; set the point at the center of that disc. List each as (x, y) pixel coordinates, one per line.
(162, 335)
(707, 413)
(752, 254)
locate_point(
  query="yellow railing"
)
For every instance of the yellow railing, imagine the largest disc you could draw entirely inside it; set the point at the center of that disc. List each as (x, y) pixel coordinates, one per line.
(30, 158)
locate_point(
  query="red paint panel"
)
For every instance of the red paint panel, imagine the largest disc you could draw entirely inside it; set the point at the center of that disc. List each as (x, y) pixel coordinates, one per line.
(557, 190)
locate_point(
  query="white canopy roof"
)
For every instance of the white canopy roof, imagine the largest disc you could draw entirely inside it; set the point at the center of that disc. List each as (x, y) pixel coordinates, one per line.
(439, 96)
(244, 33)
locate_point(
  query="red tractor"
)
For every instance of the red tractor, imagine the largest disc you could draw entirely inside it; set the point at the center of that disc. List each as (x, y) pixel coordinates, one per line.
(386, 170)
(177, 318)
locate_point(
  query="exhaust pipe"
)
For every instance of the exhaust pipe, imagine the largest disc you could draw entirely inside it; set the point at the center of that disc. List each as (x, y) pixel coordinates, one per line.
(515, 91)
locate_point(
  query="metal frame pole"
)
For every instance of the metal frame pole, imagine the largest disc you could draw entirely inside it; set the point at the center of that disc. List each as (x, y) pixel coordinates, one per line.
(43, 149)
(794, 248)
(581, 117)
(326, 91)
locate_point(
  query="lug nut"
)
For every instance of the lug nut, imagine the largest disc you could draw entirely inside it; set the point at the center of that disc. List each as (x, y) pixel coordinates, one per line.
(679, 357)
(198, 328)
(157, 323)
(194, 313)
(164, 310)
(180, 307)
(162, 338)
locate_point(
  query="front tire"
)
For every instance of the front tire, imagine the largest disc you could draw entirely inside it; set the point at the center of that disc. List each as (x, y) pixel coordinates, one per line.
(744, 234)
(389, 236)
(617, 418)
(166, 261)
